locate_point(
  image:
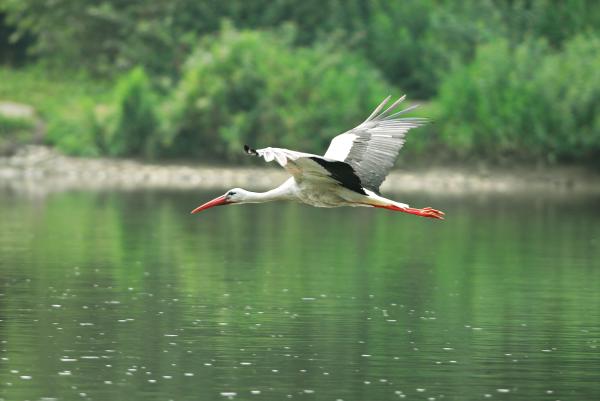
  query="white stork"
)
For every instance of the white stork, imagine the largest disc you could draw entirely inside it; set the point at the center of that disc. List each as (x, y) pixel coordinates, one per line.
(350, 172)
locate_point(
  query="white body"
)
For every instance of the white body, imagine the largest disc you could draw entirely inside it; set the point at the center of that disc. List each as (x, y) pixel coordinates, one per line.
(318, 194)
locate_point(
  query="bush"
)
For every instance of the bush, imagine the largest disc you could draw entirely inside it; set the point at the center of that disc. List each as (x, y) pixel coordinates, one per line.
(413, 41)
(253, 87)
(130, 127)
(69, 127)
(526, 101)
(569, 84)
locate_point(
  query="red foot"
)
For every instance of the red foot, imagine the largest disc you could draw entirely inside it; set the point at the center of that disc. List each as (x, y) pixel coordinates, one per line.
(425, 212)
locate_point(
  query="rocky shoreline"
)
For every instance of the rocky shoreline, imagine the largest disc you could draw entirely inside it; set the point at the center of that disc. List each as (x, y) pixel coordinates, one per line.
(37, 169)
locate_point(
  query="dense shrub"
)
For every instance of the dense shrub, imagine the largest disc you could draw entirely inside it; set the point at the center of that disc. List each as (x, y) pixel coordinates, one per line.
(413, 41)
(522, 82)
(69, 127)
(252, 87)
(130, 126)
(569, 90)
(525, 101)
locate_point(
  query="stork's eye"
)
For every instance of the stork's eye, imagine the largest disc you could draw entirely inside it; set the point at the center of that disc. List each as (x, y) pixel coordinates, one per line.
(230, 193)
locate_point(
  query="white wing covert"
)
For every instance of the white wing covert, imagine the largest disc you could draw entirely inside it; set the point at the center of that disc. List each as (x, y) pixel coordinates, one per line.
(306, 166)
(290, 160)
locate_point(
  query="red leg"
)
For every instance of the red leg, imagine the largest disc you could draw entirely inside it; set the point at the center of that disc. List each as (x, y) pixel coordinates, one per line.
(425, 212)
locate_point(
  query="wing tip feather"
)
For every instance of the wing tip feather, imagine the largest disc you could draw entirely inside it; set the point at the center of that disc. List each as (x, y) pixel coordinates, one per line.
(378, 109)
(389, 114)
(250, 151)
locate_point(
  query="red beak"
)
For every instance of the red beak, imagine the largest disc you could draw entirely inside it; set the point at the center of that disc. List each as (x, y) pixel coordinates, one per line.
(221, 200)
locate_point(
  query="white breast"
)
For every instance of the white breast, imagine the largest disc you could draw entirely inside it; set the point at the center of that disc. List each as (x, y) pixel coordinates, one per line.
(327, 195)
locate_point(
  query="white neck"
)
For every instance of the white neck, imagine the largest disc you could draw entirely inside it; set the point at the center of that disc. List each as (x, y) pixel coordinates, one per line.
(283, 192)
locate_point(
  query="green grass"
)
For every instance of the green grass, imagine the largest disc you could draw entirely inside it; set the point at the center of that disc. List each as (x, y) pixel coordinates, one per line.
(15, 131)
(64, 101)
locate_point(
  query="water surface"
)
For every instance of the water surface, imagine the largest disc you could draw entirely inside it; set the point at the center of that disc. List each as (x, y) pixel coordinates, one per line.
(125, 296)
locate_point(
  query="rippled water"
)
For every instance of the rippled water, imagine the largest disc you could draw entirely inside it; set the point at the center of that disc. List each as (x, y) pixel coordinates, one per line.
(125, 296)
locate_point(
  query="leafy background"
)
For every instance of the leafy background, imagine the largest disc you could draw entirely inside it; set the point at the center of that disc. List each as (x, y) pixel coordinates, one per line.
(504, 81)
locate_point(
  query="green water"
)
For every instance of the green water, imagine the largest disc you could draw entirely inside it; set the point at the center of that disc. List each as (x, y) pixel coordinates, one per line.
(125, 296)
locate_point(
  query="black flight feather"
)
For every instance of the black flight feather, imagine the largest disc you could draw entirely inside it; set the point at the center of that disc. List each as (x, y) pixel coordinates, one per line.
(343, 173)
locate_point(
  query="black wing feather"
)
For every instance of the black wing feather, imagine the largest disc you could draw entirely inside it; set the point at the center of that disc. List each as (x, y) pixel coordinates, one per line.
(343, 173)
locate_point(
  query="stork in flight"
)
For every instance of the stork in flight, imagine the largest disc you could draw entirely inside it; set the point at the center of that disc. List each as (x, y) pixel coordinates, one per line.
(350, 172)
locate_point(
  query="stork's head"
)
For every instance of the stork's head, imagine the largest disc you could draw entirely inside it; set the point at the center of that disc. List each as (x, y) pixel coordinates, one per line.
(235, 195)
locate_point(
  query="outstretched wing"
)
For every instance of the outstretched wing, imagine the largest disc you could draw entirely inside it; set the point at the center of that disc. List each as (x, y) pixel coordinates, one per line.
(306, 166)
(372, 147)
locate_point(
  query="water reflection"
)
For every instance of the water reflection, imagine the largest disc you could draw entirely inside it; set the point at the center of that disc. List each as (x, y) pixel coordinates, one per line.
(127, 296)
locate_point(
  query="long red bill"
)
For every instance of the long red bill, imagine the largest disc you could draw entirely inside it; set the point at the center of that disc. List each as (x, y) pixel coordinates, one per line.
(221, 200)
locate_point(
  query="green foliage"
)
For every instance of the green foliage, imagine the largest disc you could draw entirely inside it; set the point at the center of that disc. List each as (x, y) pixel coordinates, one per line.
(62, 103)
(314, 69)
(103, 37)
(131, 126)
(253, 87)
(413, 41)
(70, 129)
(14, 131)
(13, 49)
(526, 101)
(555, 21)
(10, 125)
(569, 89)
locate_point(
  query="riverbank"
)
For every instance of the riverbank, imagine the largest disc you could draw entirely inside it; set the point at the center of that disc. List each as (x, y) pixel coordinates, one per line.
(37, 169)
